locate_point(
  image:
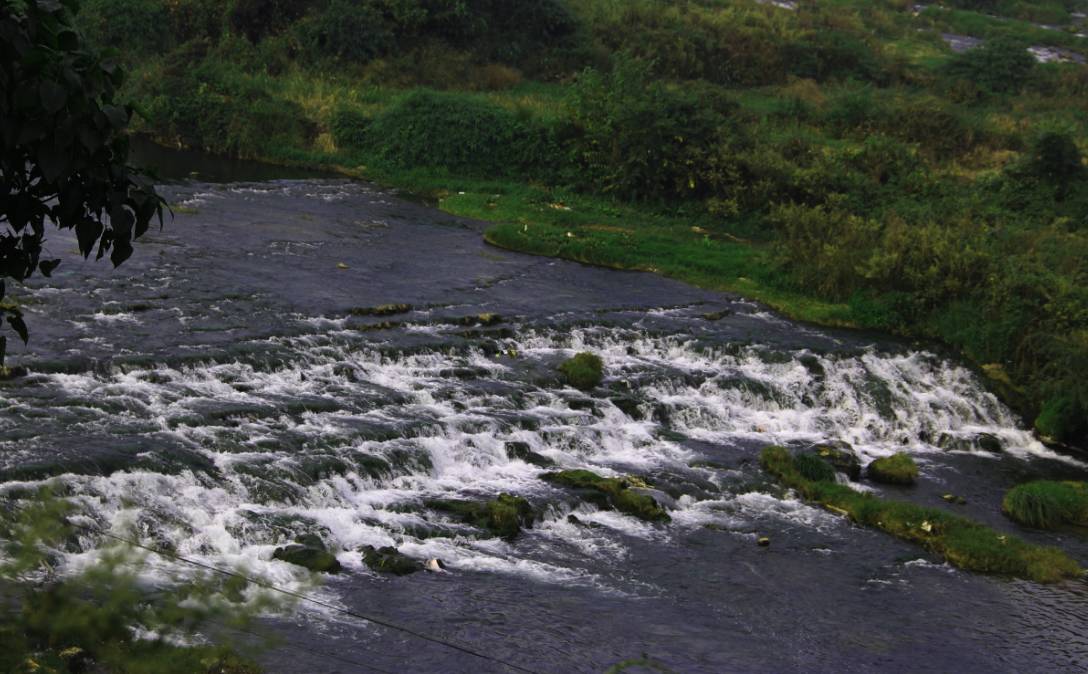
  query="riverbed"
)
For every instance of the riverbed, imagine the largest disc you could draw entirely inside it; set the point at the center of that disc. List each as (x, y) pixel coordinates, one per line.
(320, 356)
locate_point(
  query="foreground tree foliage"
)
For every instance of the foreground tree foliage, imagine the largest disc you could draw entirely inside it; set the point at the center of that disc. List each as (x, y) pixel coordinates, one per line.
(62, 147)
(104, 619)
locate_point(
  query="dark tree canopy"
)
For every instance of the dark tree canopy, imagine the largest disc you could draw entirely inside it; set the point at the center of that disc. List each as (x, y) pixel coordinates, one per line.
(62, 147)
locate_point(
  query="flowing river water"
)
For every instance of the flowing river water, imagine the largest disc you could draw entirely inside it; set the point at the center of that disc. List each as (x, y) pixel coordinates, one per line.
(221, 394)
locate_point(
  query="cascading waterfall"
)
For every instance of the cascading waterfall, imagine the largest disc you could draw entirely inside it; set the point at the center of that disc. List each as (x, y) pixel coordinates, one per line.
(231, 459)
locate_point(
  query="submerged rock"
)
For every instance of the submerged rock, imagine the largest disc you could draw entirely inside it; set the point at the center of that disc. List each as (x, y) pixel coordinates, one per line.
(309, 556)
(389, 560)
(521, 451)
(623, 494)
(628, 405)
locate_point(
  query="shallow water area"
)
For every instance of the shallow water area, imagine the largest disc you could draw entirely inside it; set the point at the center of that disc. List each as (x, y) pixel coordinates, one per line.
(247, 378)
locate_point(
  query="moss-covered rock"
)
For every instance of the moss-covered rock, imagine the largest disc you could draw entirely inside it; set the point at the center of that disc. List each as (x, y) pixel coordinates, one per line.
(521, 451)
(841, 456)
(1046, 505)
(382, 310)
(504, 516)
(623, 494)
(309, 556)
(389, 560)
(584, 371)
(964, 543)
(895, 469)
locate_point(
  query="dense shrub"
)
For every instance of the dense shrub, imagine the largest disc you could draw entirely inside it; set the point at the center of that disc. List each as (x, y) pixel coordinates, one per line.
(256, 19)
(349, 128)
(354, 31)
(140, 26)
(1001, 65)
(451, 131)
(196, 19)
(640, 139)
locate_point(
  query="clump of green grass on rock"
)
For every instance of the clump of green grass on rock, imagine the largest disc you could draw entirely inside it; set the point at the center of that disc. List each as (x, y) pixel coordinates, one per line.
(584, 371)
(1046, 505)
(896, 469)
(610, 492)
(964, 543)
(814, 468)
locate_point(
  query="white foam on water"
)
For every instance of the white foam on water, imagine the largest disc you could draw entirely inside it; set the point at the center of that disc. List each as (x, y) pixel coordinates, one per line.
(263, 426)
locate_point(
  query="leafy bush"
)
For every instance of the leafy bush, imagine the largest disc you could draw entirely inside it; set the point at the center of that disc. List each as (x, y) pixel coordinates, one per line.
(105, 619)
(1001, 65)
(349, 128)
(141, 26)
(451, 131)
(638, 138)
(196, 19)
(347, 30)
(256, 19)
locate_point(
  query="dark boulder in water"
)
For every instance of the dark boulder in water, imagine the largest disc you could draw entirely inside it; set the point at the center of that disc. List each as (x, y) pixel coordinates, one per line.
(521, 451)
(316, 559)
(389, 560)
(986, 442)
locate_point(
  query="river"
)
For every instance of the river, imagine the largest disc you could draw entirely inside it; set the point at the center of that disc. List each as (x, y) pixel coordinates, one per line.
(226, 391)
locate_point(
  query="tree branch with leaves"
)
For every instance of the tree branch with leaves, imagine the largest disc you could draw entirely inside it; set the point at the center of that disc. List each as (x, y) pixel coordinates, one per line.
(63, 150)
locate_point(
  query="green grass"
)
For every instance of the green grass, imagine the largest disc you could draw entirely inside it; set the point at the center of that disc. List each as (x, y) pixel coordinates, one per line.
(646, 242)
(962, 542)
(583, 371)
(896, 469)
(1047, 505)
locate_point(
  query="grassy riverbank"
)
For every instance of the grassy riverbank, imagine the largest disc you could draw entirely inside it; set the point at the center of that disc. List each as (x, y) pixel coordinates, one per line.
(838, 161)
(964, 543)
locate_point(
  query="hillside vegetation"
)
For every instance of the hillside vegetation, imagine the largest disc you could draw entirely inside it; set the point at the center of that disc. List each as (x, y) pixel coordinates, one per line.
(835, 158)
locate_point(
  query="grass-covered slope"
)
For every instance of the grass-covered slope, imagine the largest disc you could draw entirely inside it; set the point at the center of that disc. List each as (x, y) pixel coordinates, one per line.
(964, 543)
(839, 161)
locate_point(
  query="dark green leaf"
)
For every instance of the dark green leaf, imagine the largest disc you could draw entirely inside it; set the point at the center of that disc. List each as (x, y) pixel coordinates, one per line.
(53, 96)
(19, 326)
(47, 267)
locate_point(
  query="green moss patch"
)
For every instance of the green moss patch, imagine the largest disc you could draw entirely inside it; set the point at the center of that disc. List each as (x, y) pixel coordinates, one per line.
(964, 543)
(1046, 505)
(504, 516)
(896, 469)
(583, 371)
(611, 492)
